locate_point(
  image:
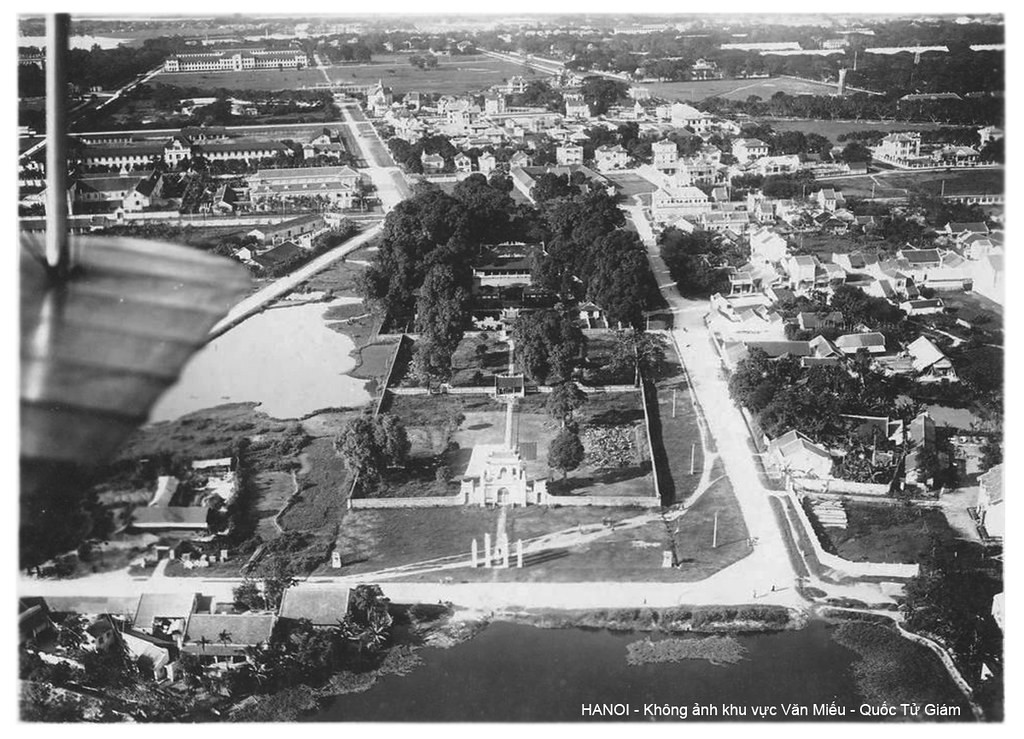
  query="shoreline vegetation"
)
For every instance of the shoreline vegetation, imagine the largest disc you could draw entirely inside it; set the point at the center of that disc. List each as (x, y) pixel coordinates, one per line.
(717, 650)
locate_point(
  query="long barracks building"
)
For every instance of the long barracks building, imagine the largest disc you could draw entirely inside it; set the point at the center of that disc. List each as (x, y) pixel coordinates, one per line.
(235, 60)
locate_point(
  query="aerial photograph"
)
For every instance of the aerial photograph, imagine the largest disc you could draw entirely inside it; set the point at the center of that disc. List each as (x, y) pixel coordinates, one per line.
(519, 367)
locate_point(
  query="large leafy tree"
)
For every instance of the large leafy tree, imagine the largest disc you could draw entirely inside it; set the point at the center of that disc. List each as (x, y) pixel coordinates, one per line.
(621, 281)
(639, 351)
(547, 344)
(563, 401)
(369, 445)
(566, 452)
(360, 447)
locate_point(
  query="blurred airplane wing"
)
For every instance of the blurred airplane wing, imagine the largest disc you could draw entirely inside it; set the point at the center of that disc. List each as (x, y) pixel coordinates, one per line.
(99, 348)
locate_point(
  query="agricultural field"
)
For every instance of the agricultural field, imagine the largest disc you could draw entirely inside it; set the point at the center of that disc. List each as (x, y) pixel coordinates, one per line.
(695, 91)
(452, 75)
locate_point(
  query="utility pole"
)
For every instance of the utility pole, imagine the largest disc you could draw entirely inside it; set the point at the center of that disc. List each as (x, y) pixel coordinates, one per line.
(693, 452)
(714, 536)
(673, 403)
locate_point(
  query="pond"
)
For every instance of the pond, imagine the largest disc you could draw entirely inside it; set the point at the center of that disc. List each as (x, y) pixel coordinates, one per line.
(513, 672)
(285, 358)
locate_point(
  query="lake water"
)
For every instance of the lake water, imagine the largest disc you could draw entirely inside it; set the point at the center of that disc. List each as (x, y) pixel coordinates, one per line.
(75, 42)
(512, 672)
(285, 358)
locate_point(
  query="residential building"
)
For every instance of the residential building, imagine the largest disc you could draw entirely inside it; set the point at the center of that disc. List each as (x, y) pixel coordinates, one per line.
(665, 155)
(463, 163)
(871, 341)
(223, 639)
(324, 606)
(568, 155)
(797, 455)
(686, 116)
(486, 163)
(670, 203)
(900, 147)
(608, 158)
(745, 150)
(956, 156)
(576, 106)
(164, 614)
(930, 364)
(432, 163)
(830, 200)
(802, 272)
(922, 307)
(767, 246)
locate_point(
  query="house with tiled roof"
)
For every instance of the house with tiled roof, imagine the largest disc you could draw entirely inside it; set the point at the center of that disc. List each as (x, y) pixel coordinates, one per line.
(321, 605)
(796, 454)
(871, 341)
(224, 638)
(922, 307)
(930, 364)
(830, 199)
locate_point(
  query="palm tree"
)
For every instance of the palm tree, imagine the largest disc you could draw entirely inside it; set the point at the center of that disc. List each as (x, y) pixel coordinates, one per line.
(224, 637)
(203, 641)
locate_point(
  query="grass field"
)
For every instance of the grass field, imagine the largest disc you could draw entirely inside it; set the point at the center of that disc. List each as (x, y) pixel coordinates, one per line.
(258, 79)
(888, 533)
(679, 436)
(453, 75)
(695, 91)
(693, 534)
(629, 184)
(833, 129)
(898, 184)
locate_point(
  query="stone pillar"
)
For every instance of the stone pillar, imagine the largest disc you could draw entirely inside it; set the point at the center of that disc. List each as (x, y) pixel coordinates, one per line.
(519, 553)
(487, 550)
(504, 555)
(474, 550)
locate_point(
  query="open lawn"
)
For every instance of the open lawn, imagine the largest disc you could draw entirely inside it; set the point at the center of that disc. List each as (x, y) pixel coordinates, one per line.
(693, 533)
(888, 533)
(695, 91)
(472, 367)
(901, 183)
(832, 130)
(453, 75)
(629, 184)
(676, 436)
(373, 540)
(257, 79)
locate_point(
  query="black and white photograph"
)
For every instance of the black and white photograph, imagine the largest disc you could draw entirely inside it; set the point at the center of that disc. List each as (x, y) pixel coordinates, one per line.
(518, 364)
